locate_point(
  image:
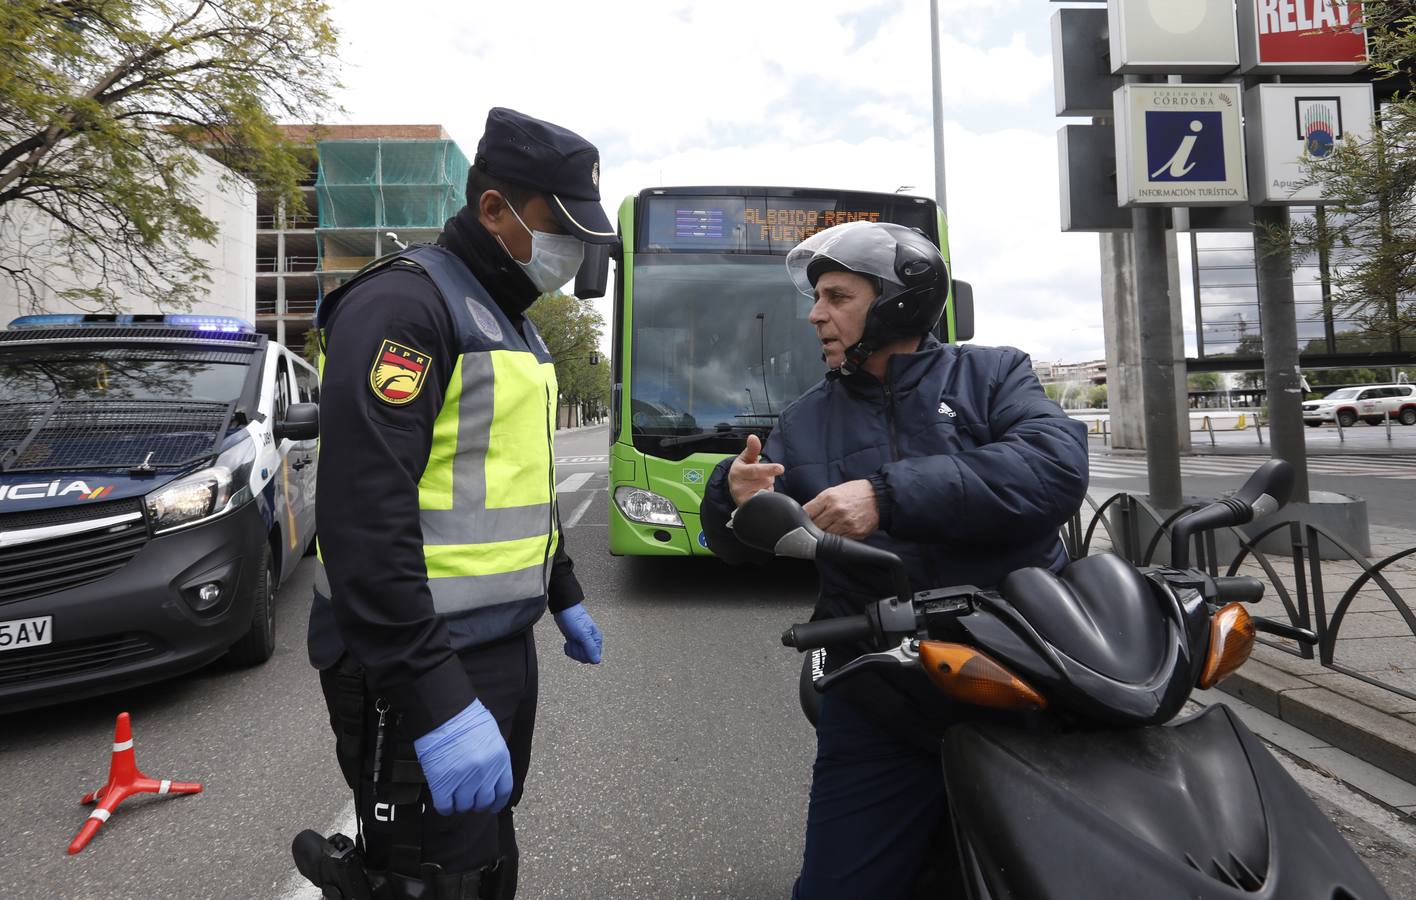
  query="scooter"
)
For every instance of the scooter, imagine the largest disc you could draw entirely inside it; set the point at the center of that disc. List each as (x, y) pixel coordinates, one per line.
(1081, 784)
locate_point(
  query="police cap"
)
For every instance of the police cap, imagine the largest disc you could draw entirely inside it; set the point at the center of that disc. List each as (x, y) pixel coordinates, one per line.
(559, 163)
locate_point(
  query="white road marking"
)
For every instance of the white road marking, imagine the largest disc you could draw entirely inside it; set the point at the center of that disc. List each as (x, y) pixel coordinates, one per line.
(574, 482)
(582, 459)
(296, 887)
(579, 513)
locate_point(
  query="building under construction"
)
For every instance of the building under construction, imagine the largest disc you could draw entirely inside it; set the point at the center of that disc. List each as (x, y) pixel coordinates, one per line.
(369, 189)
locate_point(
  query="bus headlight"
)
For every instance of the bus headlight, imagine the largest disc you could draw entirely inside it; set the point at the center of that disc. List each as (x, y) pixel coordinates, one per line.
(646, 507)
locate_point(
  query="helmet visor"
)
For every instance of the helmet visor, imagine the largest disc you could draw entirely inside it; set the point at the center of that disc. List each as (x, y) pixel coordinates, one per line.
(867, 248)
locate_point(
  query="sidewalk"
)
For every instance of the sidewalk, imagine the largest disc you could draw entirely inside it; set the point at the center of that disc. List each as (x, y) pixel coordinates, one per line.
(1374, 639)
(1359, 440)
(1375, 724)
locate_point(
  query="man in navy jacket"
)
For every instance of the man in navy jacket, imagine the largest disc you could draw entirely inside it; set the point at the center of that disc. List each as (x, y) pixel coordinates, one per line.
(951, 457)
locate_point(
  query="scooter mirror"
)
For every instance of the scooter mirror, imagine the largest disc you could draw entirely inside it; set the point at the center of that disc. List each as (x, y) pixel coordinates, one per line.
(777, 524)
(1268, 489)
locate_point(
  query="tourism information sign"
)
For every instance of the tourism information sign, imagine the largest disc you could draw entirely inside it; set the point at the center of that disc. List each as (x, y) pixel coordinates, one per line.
(1179, 145)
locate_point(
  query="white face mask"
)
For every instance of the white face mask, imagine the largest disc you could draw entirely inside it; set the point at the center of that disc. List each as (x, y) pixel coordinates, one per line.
(555, 258)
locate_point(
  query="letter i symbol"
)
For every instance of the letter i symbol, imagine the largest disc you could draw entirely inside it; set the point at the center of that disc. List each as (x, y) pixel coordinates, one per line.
(1179, 165)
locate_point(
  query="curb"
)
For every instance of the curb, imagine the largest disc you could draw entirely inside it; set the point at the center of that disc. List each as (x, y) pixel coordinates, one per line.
(579, 428)
(1378, 736)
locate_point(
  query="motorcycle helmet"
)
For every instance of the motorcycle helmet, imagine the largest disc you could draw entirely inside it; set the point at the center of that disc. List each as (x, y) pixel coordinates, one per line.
(908, 271)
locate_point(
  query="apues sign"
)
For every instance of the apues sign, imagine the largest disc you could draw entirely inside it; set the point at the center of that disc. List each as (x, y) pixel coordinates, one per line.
(1288, 123)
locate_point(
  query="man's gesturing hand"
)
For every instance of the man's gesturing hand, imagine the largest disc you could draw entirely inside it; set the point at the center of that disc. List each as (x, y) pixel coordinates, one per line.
(747, 476)
(847, 509)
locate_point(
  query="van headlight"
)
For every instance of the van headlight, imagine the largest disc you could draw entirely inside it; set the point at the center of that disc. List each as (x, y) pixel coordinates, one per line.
(205, 493)
(646, 507)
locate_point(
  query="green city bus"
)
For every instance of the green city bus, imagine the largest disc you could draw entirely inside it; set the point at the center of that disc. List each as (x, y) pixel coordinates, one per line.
(711, 339)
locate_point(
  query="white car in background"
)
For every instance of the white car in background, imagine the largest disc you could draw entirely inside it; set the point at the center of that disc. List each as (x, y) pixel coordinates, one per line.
(1371, 403)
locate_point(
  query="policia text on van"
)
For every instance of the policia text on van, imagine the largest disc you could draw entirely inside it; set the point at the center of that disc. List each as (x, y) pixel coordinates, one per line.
(156, 483)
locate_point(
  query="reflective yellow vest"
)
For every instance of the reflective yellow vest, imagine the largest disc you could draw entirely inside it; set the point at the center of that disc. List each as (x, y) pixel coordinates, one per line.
(487, 496)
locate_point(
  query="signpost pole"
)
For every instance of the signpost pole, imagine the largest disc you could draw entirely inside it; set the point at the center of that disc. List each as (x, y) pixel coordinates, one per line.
(1279, 329)
(940, 195)
(1157, 357)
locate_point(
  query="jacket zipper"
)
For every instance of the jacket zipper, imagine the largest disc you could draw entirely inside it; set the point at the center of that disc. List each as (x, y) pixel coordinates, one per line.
(890, 417)
(551, 487)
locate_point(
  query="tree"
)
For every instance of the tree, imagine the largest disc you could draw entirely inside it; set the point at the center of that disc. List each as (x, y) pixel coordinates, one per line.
(1204, 381)
(572, 330)
(102, 105)
(1368, 228)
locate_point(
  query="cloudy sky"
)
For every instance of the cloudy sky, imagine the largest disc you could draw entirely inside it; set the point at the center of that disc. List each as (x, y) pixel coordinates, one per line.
(826, 93)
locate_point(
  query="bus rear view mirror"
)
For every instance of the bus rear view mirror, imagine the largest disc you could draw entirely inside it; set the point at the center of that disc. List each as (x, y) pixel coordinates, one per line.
(594, 274)
(963, 311)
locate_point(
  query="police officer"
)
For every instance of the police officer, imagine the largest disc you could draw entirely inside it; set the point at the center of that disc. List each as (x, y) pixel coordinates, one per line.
(439, 532)
(951, 457)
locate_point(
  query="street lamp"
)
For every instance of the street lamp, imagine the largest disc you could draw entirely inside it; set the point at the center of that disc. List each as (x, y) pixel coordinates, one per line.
(940, 197)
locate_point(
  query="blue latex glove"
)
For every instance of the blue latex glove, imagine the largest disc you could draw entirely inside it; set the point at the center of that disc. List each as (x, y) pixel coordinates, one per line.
(466, 763)
(583, 640)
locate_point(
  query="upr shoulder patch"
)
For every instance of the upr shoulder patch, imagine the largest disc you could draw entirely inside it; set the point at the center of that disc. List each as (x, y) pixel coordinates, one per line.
(398, 373)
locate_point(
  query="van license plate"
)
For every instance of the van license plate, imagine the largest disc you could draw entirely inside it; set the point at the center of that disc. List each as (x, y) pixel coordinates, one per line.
(17, 634)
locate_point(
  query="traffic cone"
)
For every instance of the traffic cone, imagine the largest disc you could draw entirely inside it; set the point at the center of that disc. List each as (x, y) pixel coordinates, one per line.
(124, 780)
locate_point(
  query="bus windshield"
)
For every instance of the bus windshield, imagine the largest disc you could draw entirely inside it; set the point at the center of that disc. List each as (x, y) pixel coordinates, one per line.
(721, 340)
(718, 343)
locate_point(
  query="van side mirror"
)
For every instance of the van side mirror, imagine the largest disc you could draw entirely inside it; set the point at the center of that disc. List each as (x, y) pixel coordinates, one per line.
(301, 423)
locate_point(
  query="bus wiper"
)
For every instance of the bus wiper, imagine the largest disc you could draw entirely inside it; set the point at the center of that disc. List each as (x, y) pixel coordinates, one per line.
(720, 432)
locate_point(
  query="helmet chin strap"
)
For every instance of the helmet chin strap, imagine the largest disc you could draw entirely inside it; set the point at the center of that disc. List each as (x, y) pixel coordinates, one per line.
(856, 356)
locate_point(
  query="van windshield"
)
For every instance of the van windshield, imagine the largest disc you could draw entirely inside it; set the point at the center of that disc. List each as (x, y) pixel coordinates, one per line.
(36, 374)
(83, 406)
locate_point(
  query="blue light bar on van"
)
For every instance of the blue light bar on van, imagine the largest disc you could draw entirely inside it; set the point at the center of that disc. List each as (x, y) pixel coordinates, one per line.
(212, 323)
(227, 324)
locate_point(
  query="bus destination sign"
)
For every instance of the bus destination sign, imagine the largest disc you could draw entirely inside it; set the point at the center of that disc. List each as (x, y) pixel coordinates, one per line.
(762, 224)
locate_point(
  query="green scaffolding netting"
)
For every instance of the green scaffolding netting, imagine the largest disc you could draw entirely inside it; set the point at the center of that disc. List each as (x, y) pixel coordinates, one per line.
(389, 183)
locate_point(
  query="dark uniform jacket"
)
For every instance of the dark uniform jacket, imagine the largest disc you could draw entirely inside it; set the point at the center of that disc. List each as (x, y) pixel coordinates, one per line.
(372, 455)
(974, 470)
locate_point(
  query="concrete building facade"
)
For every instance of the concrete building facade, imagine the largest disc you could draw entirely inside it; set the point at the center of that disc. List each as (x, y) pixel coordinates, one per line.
(226, 198)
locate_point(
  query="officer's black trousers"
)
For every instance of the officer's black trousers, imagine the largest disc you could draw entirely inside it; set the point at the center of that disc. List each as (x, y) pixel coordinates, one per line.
(505, 678)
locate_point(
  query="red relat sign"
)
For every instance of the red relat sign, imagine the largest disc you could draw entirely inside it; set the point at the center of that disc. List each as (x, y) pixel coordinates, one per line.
(1310, 31)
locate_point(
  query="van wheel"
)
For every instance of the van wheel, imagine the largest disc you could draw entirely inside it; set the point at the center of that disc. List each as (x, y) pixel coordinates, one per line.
(258, 643)
(1347, 418)
(1408, 416)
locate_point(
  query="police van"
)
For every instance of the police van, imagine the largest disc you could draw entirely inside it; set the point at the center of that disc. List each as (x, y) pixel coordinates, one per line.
(157, 483)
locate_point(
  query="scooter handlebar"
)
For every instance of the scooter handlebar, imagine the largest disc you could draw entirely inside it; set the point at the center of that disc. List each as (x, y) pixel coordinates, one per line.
(1239, 589)
(842, 630)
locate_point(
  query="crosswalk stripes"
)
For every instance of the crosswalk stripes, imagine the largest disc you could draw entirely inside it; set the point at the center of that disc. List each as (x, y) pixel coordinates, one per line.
(574, 482)
(1399, 468)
